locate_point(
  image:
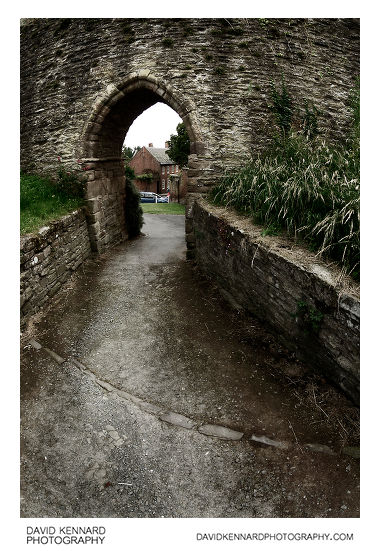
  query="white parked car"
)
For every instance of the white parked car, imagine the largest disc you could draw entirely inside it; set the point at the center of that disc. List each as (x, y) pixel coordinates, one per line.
(151, 197)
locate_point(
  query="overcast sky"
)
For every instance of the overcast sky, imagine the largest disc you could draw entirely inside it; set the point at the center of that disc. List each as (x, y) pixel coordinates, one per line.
(154, 126)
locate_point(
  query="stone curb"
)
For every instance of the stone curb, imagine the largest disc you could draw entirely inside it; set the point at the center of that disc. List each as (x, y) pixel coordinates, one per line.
(35, 344)
(105, 385)
(53, 355)
(177, 419)
(150, 408)
(270, 442)
(352, 451)
(319, 448)
(221, 432)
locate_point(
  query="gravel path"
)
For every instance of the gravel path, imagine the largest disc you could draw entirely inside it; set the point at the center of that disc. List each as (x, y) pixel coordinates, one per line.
(144, 395)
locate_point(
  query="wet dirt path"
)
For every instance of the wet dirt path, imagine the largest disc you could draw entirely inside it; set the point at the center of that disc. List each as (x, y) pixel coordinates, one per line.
(154, 362)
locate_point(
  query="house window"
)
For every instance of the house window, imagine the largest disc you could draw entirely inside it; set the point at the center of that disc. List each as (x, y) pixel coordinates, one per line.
(163, 184)
(163, 170)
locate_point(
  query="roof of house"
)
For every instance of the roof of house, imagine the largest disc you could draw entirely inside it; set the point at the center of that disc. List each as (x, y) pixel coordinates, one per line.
(159, 153)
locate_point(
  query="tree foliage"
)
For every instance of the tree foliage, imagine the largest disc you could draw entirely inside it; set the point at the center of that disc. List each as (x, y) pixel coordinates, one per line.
(129, 172)
(128, 152)
(179, 146)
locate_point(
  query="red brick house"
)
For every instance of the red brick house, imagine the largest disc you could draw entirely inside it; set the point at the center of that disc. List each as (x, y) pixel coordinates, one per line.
(153, 168)
(178, 186)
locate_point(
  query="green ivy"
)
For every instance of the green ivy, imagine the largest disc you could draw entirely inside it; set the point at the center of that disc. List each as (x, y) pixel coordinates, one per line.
(311, 317)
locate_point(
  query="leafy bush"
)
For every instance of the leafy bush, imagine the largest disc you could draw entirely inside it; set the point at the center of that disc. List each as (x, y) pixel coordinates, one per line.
(133, 211)
(69, 184)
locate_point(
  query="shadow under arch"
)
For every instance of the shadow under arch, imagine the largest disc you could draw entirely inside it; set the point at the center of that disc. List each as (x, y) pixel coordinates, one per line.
(101, 144)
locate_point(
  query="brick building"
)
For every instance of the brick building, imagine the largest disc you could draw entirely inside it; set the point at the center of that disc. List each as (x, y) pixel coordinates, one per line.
(178, 186)
(153, 167)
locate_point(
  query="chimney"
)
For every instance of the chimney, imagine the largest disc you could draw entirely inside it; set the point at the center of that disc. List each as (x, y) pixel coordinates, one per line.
(166, 145)
(150, 145)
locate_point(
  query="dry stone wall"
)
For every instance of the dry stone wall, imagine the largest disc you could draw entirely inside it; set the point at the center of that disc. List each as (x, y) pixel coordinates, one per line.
(49, 258)
(84, 82)
(309, 306)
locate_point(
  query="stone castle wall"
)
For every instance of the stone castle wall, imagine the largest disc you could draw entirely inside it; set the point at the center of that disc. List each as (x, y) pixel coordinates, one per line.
(84, 82)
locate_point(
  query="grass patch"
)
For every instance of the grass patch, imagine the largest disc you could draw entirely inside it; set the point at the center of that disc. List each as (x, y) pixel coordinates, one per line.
(163, 208)
(43, 200)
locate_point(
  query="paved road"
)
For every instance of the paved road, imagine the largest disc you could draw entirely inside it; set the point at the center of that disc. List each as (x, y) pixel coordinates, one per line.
(141, 363)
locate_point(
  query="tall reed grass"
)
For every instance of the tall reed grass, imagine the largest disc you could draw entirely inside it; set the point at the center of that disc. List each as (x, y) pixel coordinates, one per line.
(307, 187)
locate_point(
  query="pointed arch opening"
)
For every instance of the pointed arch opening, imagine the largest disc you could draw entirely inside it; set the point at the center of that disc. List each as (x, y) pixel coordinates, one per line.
(101, 146)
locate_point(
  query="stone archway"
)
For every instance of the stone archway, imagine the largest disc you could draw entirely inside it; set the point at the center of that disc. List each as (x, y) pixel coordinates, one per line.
(101, 144)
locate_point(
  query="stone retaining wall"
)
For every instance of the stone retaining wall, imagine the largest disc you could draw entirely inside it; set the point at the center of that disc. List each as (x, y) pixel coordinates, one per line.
(310, 307)
(48, 259)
